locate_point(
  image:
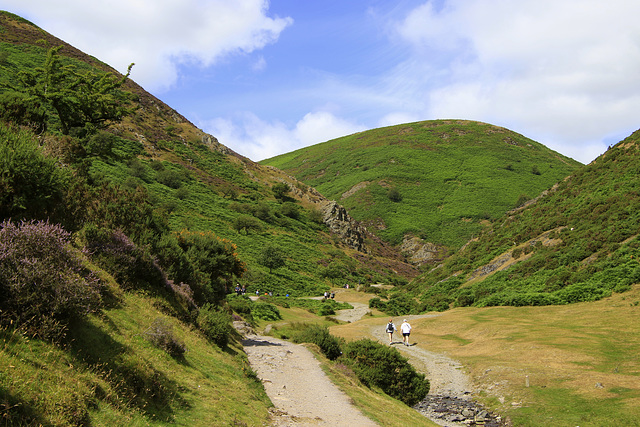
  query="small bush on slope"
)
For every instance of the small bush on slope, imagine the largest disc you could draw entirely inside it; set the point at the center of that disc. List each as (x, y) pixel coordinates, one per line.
(42, 282)
(321, 337)
(215, 324)
(377, 365)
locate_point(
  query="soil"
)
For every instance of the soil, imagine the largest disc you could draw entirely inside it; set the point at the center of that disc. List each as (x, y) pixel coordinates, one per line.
(303, 395)
(299, 389)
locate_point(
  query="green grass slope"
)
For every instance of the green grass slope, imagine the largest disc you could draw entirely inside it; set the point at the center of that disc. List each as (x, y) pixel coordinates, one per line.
(438, 180)
(578, 242)
(193, 182)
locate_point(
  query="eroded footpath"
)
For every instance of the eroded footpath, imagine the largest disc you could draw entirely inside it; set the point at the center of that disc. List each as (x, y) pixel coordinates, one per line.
(301, 392)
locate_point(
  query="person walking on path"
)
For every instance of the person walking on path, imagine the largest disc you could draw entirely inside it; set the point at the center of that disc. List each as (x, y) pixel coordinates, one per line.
(406, 331)
(390, 329)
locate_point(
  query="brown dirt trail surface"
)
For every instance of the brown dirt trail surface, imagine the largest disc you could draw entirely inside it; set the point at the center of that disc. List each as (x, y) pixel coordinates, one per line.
(297, 386)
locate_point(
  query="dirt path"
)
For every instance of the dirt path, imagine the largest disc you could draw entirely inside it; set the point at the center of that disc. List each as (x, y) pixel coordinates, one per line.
(447, 376)
(297, 386)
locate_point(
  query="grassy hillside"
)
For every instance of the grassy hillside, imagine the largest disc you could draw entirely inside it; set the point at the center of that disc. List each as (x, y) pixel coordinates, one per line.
(570, 365)
(439, 180)
(578, 242)
(119, 243)
(188, 180)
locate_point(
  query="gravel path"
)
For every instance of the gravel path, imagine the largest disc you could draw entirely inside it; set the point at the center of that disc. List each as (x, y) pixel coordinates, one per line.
(447, 376)
(297, 386)
(304, 396)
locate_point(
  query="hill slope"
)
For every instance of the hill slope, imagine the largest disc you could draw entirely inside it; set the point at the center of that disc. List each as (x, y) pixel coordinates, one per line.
(194, 182)
(439, 180)
(577, 242)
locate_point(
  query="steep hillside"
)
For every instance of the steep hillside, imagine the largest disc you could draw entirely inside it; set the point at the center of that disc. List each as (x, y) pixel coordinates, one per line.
(579, 241)
(121, 239)
(193, 182)
(438, 180)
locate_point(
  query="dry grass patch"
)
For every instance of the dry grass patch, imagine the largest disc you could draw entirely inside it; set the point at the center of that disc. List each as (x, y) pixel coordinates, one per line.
(581, 360)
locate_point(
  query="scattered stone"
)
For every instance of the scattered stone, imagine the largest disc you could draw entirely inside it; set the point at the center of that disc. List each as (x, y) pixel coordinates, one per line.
(454, 411)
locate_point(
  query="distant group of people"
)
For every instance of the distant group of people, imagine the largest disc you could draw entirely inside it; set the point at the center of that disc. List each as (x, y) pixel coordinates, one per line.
(328, 295)
(240, 290)
(405, 328)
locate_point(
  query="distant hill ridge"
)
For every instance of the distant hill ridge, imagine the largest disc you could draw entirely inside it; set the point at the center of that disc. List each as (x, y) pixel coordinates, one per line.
(439, 180)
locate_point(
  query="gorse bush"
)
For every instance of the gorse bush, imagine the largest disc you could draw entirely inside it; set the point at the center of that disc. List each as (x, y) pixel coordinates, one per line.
(42, 282)
(215, 324)
(377, 365)
(320, 336)
(31, 185)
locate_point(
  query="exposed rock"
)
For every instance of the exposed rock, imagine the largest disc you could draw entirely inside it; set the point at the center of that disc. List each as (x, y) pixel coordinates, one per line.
(418, 251)
(349, 230)
(454, 411)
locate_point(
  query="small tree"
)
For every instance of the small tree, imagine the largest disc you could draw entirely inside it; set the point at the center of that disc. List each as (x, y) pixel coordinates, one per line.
(80, 100)
(394, 195)
(280, 190)
(271, 257)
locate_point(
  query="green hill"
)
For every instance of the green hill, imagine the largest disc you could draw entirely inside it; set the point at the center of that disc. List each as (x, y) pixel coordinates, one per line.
(122, 229)
(576, 242)
(439, 180)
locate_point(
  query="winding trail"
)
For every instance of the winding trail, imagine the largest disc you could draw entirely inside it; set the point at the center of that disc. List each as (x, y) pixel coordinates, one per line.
(447, 376)
(304, 396)
(297, 386)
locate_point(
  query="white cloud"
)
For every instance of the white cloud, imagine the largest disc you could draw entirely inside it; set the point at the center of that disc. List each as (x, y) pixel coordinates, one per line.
(158, 35)
(258, 139)
(562, 69)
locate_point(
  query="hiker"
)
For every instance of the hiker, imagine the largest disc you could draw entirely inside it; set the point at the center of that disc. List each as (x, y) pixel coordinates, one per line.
(406, 331)
(390, 329)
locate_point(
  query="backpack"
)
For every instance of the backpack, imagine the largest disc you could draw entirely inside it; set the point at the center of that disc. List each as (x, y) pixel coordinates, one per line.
(390, 327)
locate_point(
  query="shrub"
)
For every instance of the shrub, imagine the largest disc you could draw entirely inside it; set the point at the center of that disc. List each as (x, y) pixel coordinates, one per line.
(326, 310)
(290, 210)
(42, 282)
(377, 365)
(247, 223)
(241, 305)
(215, 324)
(160, 333)
(207, 263)
(31, 185)
(266, 311)
(129, 264)
(320, 336)
(394, 195)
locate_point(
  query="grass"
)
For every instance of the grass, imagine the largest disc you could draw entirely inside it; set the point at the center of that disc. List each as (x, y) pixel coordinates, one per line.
(373, 403)
(580, 360)
(111, 369)
(451, 175)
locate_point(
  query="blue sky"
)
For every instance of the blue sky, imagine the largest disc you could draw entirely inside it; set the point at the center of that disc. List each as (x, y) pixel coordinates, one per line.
(268, 77)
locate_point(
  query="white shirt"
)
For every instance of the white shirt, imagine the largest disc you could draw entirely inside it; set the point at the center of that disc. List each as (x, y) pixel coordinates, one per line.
(405, 327)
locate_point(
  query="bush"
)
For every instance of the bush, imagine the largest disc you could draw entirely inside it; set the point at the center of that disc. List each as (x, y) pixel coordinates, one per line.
(241, 305)
(207, 262)
(329, 345)
(377, 365)
(130, 265)
(247, 223)
(42, 282)
(160, 333)
(266, 311)
(31, 185)
(215, 324)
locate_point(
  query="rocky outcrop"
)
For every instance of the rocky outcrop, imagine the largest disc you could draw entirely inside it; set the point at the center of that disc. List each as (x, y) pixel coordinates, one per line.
(349, 230)
(419, 252)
